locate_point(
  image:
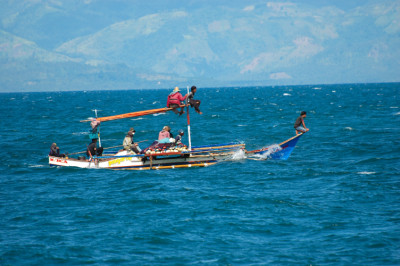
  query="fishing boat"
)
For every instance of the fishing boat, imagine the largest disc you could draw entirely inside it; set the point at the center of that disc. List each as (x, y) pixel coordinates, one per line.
(171, 156)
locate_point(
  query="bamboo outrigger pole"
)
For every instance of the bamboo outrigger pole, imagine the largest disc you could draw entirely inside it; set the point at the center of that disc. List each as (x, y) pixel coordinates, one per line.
(132, 114)
(188, 120)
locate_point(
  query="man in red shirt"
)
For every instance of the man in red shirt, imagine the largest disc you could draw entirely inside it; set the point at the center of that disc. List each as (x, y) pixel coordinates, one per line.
(175, 99)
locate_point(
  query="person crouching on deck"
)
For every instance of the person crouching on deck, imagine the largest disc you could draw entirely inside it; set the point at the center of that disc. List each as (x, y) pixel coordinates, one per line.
(92, 149)
(178, 138)
(129, 144)
(175, 99)
(299, 124)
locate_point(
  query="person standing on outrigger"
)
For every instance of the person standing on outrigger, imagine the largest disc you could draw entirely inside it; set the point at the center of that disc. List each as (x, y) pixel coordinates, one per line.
(175, 99)
(194, 103)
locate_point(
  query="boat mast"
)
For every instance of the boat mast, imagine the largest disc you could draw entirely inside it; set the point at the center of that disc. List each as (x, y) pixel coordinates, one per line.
(98, 134)
(188, 119)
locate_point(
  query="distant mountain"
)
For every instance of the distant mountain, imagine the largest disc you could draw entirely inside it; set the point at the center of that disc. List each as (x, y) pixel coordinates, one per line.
(70, 45)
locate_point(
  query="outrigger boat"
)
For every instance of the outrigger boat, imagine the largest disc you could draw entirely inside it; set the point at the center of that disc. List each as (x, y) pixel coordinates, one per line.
(173, 156)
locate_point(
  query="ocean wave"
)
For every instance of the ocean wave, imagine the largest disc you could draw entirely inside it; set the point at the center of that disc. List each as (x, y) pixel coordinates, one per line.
(366, 173)
(80, 133)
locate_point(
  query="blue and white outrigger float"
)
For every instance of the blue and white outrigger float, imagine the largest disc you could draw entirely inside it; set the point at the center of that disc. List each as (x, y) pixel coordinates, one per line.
(173, 156)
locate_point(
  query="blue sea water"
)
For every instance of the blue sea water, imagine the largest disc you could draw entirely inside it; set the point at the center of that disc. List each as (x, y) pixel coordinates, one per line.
(335, 201)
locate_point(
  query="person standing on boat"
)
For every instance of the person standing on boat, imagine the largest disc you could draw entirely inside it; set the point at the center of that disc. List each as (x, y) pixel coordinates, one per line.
(129, 144)
(92, 149)
(175, 99)
(194, 103)
(94, 124)
(299, 124)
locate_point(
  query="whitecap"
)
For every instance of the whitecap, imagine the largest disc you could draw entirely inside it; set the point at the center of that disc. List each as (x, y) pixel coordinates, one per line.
(333, 91)
(139, 118)
(159, 114)
(317, 88)
(398, 113)
(80, 133)
(156, 102)
(37, 166)
(287, 94)
(242, 125)
(366, 173)
(12, 99)
(349, 128)
(393, 107)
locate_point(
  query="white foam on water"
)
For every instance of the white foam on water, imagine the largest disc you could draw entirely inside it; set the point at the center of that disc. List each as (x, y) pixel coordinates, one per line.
(287, 94)
(37, 166)
(80, 133)
(271, 149)
(366, 173)
(159, 114)
(398, 113)
(239, 155)
(393, 107)
(317, 88)
(139, 118)
(155, 102)
(242, 125)
(349, 128)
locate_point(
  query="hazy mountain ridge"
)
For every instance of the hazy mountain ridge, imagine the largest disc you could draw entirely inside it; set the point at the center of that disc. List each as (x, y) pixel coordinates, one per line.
(263, 42)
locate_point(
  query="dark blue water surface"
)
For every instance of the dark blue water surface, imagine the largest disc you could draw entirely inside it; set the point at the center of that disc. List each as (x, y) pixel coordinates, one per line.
(335, 201)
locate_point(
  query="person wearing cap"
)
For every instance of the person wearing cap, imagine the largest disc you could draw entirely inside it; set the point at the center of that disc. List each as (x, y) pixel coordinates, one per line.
(299, 125)
(128, 142)
(194, 103)
(55, 151)
(178, 138)
(175, 99)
